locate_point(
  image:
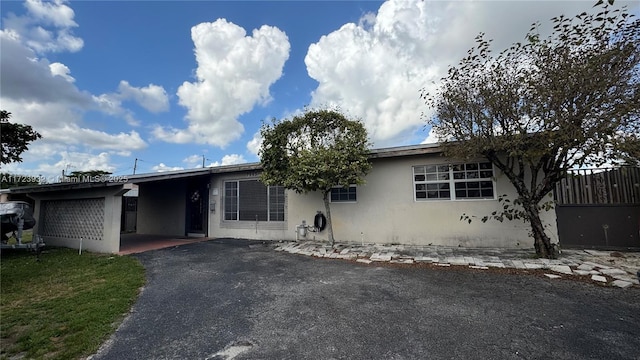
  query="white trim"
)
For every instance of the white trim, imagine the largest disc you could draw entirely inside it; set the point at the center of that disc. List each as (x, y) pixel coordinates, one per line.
(344, 201)
(452, 182)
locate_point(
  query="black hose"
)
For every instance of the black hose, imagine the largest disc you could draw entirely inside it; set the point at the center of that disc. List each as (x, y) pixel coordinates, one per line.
(320, 221)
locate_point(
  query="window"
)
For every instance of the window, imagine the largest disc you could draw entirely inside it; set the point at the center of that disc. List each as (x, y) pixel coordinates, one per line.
(341, 194)
(250, 200)
(454, 182)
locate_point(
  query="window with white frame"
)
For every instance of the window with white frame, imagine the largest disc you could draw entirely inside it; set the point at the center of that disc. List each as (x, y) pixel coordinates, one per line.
(251, 200)
(342, 194)
(454, 182)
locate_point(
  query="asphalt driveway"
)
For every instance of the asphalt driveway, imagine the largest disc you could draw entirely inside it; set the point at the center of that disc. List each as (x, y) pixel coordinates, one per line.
(228, 299)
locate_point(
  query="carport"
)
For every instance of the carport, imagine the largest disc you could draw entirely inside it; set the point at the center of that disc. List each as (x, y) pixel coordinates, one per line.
(172, 208)
(78, 214)
(173, 203)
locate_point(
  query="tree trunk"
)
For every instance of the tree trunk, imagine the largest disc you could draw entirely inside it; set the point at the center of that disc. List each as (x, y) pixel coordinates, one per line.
(327, 209)
(542, 242)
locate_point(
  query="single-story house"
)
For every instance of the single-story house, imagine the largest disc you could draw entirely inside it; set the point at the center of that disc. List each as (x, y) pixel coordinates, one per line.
(413, 195)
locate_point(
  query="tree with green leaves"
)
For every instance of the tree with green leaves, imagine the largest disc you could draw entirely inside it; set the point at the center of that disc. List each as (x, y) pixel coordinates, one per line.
(316, 151)
(15, 138)
(545, 106)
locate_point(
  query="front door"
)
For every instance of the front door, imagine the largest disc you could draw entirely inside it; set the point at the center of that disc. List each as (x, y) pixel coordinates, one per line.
(197, 205)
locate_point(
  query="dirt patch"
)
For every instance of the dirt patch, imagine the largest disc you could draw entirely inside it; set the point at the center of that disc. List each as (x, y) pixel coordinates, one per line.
(495, 270)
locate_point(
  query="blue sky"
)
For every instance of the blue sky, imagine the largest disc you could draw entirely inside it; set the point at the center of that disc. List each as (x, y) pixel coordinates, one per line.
(167, 82)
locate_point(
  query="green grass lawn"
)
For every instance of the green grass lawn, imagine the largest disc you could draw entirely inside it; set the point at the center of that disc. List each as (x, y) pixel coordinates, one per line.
(65, 305)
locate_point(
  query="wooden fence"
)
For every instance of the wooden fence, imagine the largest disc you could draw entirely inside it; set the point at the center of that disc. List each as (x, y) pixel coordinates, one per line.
(600, 186)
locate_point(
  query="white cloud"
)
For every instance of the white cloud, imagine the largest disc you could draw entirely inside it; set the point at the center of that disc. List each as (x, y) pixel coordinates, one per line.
(234, 74)
(43, 94)
(59, 69)
(151, 97)
(46, 27)
(84, 161)
(432, 138)
(123, 143)
(54, 13)
(39, 150)
(193, 160)
(46, 119)
(376, 68)
(162, 168)
(24, 76)
(232, 159)
(254, 145)
(68, 161)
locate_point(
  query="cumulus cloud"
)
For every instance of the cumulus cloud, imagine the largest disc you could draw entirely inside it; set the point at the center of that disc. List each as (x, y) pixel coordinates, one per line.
(24, 76)
(43, 94)
(254, 145)
(234, 74)
(46, 119)
(432, 138)
(376, 68)
(54, 13)
(68, 161)
(40, 150)
(232, 159)
(46, 27)
(153, 98)
(78, 161)
(122, 143)
(193, 160)
(59, 69)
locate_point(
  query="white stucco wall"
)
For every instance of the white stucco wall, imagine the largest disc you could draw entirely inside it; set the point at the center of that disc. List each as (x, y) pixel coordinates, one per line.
(386, 212)
(261, 230)
(69, 232)
(162, 208)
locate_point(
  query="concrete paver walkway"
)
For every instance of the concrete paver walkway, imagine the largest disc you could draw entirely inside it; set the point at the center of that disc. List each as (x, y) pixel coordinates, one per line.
(611, 267)
(137, 243)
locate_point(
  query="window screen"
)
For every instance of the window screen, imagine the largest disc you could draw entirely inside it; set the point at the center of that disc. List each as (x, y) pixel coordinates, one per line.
(250, 200)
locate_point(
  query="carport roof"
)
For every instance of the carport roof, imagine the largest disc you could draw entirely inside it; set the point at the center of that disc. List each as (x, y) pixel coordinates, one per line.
(178, 174)
(62, 186)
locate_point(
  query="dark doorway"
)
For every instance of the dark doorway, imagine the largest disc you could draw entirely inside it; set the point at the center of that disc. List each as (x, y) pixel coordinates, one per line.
(197, 205)
(128, 215)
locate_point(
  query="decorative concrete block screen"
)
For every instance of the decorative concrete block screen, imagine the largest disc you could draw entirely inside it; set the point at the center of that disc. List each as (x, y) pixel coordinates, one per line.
(74, 219)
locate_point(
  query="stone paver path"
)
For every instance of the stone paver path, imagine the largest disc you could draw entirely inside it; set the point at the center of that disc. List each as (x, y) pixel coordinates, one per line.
(614, 268)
